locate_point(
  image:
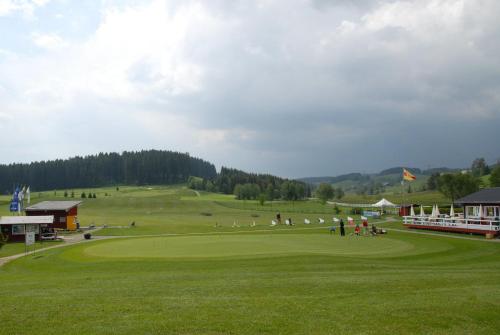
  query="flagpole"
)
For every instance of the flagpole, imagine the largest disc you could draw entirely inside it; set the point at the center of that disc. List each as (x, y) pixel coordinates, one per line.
(402, 193)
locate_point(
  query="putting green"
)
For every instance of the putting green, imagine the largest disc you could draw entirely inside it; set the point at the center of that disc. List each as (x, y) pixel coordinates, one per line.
(249, 245)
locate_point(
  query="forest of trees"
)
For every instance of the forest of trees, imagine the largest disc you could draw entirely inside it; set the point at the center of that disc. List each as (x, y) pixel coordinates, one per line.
(457, 185)
(252, 186)
(105, 169)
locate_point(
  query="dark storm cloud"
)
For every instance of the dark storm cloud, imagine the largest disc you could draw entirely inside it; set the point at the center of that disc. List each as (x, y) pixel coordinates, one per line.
(294, 88)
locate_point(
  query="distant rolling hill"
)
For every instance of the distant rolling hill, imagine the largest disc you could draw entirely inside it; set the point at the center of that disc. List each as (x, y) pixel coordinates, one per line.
(374, 183)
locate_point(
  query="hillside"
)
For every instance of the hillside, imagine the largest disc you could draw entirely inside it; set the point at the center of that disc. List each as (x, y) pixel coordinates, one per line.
(375, 183)
(105, 169)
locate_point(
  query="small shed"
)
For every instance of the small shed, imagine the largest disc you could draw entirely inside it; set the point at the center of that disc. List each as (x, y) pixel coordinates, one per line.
(15, 227)
(405, 209)
(65, 213)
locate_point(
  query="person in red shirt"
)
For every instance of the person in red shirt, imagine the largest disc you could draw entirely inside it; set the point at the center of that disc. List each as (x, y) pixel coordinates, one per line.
(365, 227)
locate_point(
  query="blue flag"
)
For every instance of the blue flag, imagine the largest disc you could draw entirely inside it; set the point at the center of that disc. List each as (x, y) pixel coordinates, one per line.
(14, 204)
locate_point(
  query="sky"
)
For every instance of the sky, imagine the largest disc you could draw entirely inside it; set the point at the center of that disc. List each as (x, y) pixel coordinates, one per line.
(294, 88)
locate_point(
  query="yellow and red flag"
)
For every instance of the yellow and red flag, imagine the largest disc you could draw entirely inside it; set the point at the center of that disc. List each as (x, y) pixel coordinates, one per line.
(408, 176)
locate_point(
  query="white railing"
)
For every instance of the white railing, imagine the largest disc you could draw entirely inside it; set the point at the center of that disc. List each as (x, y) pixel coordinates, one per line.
(454, 222)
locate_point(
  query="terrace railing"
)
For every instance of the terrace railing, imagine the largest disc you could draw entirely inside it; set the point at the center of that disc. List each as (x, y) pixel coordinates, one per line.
(486, 224)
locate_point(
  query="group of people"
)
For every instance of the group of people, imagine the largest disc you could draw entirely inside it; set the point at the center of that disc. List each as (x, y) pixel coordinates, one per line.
(358, 229)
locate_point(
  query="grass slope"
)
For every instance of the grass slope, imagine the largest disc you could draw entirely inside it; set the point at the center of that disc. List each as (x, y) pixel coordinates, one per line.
(427, 285)
(261, 280)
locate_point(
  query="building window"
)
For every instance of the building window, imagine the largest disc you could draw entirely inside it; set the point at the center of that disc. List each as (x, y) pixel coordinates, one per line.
(62, 219)
(472, 211)
(33, 228)
(491, 211)
(17, 229)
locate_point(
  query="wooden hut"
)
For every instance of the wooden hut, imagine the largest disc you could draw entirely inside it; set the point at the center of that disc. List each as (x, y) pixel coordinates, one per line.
(405, 209)
(65, 213)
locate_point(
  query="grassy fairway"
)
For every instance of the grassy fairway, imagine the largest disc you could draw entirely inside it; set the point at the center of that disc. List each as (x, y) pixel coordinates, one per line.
(206, 280)
(244, 284)
(176, 209)
(17, 248)
(247, 245)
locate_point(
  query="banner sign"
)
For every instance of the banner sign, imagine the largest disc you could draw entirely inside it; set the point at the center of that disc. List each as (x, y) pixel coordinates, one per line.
(30, 237)
(14, 205)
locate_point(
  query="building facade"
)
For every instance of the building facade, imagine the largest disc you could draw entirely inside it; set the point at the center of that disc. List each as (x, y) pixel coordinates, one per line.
(481, 215)
(65, 213)
(15, 227)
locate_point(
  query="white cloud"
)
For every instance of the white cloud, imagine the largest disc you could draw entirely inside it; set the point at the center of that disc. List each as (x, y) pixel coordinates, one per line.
(48, 41)
(235, 80)
(26, 7)
(424, 17)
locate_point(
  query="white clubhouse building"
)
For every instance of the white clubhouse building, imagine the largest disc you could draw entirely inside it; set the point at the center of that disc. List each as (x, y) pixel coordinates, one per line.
(481, 215)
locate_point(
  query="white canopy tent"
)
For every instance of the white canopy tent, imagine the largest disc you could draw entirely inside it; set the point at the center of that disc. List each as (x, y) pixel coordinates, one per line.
(384, 203)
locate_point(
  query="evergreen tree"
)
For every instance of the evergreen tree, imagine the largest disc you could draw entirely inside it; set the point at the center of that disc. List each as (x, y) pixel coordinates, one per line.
(270, 192)
(432, 181)
(324, 192)
(479, 167)
(262, 199)
(339, 193)
(129, 168)
(495, 177)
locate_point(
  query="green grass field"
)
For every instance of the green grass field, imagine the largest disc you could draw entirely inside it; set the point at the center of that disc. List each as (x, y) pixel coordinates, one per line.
(176, 273)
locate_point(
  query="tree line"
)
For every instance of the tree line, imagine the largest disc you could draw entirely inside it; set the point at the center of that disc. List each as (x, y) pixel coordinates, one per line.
(105, 169)
(458, 185)
(246, 186)
(326, 192)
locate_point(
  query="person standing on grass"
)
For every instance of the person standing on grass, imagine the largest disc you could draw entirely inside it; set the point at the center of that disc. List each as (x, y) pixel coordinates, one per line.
(365, 227)
(342, 229)
(278, 217)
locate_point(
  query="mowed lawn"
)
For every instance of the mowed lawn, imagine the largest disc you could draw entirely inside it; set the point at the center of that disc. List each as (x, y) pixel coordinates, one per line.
(195, 278)
(283, 282)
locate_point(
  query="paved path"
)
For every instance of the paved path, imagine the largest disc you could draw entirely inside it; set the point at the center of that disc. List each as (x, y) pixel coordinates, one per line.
(68, 240)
